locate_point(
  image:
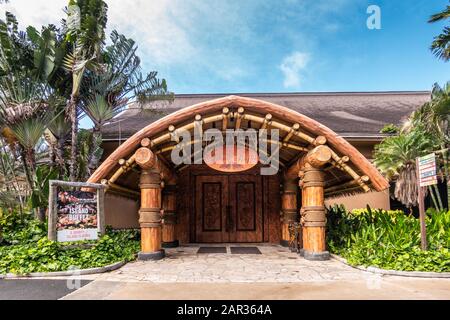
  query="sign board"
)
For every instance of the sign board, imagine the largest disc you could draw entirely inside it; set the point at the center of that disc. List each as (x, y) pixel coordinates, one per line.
(231, 158)
(427, 170)
(75, 215)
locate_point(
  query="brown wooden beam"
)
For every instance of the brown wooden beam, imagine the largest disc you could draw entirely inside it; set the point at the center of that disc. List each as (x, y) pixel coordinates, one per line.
(250, 105)
(150, 215)
(319, 156)
(289, 209)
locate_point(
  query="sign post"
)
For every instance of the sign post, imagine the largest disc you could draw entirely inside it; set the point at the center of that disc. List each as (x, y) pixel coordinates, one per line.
(75, 215)
(427, 176)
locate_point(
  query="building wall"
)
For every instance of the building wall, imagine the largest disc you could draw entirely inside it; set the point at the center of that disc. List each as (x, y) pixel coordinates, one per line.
(121, 212)
(376, 200)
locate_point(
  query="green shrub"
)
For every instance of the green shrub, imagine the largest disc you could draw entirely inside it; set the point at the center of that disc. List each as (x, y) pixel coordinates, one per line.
(390, 129)
(18, 228)
(48, 256)
(25, 248)
(389, 239)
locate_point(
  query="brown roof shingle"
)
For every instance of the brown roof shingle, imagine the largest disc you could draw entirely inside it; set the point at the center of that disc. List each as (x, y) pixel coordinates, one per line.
(359, 114)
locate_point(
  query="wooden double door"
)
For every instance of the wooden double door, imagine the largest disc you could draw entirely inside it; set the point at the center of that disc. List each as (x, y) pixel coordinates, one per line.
(228, 208)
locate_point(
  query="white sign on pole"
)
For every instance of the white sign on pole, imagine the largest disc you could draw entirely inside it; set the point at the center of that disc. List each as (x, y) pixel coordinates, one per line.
(427, 170)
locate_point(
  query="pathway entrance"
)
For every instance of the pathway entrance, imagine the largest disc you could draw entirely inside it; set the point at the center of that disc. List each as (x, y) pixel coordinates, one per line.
(275, 264)
(276, 273)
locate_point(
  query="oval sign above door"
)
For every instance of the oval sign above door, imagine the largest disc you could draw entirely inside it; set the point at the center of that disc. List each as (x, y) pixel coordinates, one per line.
(231, 158)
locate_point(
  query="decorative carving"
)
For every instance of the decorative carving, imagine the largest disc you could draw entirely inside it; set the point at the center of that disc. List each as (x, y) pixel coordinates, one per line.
(212, 206)
(245, 195)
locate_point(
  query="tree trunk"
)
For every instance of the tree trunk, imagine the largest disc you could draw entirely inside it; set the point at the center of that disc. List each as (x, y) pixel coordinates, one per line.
(26, 168)
(95, 151)
(74, 144)
(52, 154)
(60, 157)
(448, 193)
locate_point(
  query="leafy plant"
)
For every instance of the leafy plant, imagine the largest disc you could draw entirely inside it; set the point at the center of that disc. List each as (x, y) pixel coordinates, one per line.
(42, 255)
(390, 129)
(40, 193)
(86, 24)
(396, 157)
(119, 84)
(441, 44)
(389, 239)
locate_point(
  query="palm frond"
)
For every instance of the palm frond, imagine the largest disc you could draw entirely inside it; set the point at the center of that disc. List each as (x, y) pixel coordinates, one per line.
(440, 16)
(441, 45)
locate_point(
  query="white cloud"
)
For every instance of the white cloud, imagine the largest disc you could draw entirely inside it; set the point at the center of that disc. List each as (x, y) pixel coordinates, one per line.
(35, 13)
(193, 40)
(292, 66)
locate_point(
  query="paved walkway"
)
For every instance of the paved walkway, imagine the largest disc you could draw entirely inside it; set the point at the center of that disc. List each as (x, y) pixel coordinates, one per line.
(275, 264)
(276, 274)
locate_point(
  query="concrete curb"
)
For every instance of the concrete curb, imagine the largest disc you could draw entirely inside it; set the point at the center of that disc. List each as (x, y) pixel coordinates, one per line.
(412, 274)
(83, 272)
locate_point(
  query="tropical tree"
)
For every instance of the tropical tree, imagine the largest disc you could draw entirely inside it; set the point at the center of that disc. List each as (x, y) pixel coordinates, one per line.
(396, 157)
(10, 179)
(26, 62)
(434, 117)
(441, 44)
(119, 84)
(56, 135)
(86, 23)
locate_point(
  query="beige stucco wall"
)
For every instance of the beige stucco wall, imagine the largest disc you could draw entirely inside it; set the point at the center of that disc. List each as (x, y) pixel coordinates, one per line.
(376, 200)
(121, 212)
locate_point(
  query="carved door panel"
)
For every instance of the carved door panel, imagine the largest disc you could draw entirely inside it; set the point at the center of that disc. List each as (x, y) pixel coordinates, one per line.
(229, 209)
(245, 192)
(211, 209)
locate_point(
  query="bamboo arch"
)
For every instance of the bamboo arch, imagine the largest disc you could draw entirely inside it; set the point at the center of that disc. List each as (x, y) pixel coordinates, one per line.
(344, 156)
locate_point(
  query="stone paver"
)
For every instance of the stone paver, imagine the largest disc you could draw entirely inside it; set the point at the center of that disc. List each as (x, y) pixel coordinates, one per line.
(275, 265)
(276, 274)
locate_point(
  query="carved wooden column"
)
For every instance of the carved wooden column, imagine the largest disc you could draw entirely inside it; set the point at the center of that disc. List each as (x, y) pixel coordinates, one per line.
(313, 216)
(150, 212)
(288, 208)
(169, 206)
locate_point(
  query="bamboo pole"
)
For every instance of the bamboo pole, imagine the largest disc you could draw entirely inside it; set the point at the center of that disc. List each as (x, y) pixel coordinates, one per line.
(353, 183)
(226, 113)
(313, 203)
(121, 189)
(288, 209)
(238, 116)
(290, 134)
(150, 215)
(250, 105)
(350, 171)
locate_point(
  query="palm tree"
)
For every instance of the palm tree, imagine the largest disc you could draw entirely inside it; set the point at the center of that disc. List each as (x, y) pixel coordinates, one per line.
(441, 44)
(434, 117)
(120, 84)
(56, 136)
(26, 61)
(396, 157)
(85, 25)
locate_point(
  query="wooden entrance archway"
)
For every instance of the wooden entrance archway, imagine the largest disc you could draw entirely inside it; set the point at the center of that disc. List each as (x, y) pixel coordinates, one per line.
(313, 159)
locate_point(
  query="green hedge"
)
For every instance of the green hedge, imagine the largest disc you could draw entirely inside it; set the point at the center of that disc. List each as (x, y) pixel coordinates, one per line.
(389, 239)
(25, 248)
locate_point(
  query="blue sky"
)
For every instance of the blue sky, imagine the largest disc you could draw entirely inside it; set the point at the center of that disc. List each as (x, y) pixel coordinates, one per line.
(210, 46)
